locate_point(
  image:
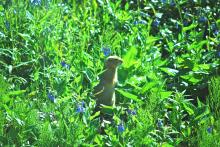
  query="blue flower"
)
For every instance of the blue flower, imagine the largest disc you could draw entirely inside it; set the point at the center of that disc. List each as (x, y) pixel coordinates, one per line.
(132, 112)
(219, 54)
(209, 130)
(159, 123)
(163, 1)
(216, 32)
(64, 64)
(185, 23)
(172, 3)
(51, 97)
(170, 85)
(202, 19)
(135, 22)
(80, 107)
(7, 25)
(106, 51)
(121, 128)
(35, 2)
(156, 23)
(178, 27)
(214, 26)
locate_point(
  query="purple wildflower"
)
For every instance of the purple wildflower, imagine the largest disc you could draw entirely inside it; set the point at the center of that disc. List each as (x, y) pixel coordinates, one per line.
(216, 32)
(170, 85)
(106, 51)
(121, 128)
(135, 22)
(64, 64)
(185, 23)
(132, 112)
(214, 26)
(51, 97)
(172, 3)
(209, 129)
(202, 19)
(156, 23)
(80, 107)
(177, 26)
(159, 123)
(219, 54)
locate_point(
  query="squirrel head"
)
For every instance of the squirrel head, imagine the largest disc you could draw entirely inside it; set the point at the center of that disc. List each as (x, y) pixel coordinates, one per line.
(113, 62)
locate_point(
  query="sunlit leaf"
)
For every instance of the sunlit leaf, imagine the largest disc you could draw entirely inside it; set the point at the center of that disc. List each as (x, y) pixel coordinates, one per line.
(200, 113)
(129, 58)
(148, 86)
(151, 39)
(192, 26)
(18, 92)
(188, 109)
(169, 71)
(129, 95)
(165, 94)
(191, 79)
(25, 36)
(95, 115)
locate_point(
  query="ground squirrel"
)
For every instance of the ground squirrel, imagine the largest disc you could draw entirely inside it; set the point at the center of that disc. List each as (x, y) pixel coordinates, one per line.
(104, 92)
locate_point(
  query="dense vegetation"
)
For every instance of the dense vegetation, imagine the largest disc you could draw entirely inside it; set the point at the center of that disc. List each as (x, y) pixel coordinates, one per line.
(51, 53)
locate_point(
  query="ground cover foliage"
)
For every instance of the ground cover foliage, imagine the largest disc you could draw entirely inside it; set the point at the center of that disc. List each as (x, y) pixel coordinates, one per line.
(52, 51)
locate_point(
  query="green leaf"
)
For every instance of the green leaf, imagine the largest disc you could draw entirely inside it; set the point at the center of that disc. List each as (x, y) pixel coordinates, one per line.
(129, 58)
(18, 92)
(5, 98)
(95, 115)
(197, 46)
(204, 66)
(129, 95)
(200, 104)
(169, 71)
(192, 26)
(36, 76)
(165, 94)
(151, 39)
(191, 78)
(148, 86)
(107, 109)
(25, 63)
(136, 79)
(98, 139)
(25, 36)
(165, 144)
(1, 8)
(201, 112)
(188, 109)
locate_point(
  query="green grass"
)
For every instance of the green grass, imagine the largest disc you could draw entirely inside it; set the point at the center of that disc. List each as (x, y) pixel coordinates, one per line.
(214, 97)
(51, 54)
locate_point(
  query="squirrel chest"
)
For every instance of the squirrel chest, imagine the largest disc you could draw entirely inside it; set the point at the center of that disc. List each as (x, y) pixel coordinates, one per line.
(108, 81)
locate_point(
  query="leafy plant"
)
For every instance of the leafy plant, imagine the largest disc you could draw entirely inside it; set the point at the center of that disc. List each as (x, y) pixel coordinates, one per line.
(213, 99)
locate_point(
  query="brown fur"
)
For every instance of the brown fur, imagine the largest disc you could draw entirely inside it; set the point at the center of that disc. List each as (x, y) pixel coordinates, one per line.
(104, 92)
